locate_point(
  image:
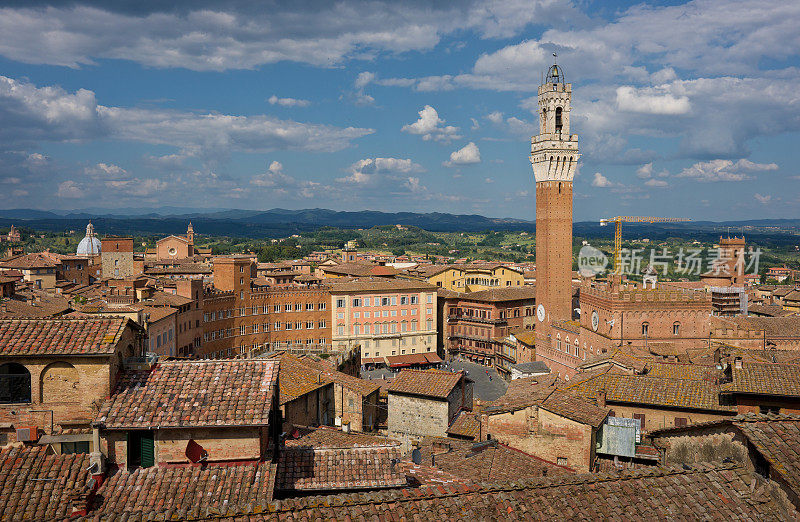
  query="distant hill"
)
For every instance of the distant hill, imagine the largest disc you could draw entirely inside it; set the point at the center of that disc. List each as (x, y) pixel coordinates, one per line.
(282, 222)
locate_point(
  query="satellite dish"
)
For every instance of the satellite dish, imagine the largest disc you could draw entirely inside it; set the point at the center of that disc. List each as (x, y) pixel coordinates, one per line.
(416, 456)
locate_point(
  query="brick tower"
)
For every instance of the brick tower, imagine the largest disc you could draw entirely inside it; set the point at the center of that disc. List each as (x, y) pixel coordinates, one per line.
(554, 155)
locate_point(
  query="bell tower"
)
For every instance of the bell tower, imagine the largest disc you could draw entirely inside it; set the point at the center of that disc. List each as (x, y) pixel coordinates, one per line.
(554, 155)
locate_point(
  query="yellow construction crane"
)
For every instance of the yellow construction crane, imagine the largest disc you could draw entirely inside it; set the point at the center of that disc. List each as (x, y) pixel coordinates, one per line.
(631, 219)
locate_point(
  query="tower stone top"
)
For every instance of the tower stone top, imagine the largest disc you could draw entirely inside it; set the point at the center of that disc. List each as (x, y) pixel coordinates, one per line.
(554, 151)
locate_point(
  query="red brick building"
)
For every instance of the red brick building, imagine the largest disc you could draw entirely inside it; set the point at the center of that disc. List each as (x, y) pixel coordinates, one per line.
(474, 324)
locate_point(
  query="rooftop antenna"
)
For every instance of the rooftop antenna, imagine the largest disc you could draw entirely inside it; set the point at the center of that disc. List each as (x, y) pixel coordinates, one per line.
(555, 58)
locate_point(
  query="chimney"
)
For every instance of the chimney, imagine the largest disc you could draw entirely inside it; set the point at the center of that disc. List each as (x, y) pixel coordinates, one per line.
(601, 398)
(737, 363)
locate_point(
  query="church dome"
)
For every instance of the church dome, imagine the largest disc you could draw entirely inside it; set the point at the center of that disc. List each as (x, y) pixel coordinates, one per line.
(89, 245)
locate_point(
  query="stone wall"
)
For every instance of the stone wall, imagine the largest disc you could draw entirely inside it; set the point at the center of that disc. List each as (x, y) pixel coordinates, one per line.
(658, 418)
(411, 418)
(545, 435)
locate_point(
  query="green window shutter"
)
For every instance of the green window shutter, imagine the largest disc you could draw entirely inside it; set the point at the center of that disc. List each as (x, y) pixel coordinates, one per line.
(147, 450)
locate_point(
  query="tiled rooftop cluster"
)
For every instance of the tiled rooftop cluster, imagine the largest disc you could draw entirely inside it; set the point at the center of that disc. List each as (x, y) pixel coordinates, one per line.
(60, 336)
(326, 459)
(37, 486)
(193, 394)
(429, 383)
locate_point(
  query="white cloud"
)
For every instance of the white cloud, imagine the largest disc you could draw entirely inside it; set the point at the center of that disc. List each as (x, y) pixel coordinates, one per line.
(658, 183)
(106, 171)
(281, 183)
(70, 190)
(644, 101)
(601, 181)
(466, 155)
(762, 199)
(475, 125)
(288, 102)
(31, 114)
(725, 170)
(362, 80)
(368, 170)
(645, 171)
(217, 37)
(488, 180)
(431, 127)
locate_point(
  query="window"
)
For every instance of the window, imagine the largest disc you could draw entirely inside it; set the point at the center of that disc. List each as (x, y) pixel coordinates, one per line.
(384, 301)
(645, 327)
(680, 422)
(394, 300)
(430, 299)
(340, 303)
(288, 325)
(298, 325)
(242, 312)
(68, 448)
(340, 330)
(367, 328)
(321, 324)
(676, 328)
(559, 123)
(561, 461)
(394, 313)
(309, 325)
(309, 306)
(255, 328)
(356, 302)
(277, 326)
(255, 310)
(298, 307)
(429, 324)
(266, 309)
(242, 330)
(276, 308)
(321, 306)
(404, 300)
(287, 308)
(641, 418)
(413, 299)
(356, 315)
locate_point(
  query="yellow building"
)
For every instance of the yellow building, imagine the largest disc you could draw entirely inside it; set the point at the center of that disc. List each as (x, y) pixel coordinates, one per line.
(467, 277)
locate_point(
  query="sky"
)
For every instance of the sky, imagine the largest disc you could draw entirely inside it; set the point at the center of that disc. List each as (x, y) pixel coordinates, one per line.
(684, 109)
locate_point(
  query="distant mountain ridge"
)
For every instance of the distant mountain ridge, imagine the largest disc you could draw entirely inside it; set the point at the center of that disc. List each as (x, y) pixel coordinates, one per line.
(280, 222)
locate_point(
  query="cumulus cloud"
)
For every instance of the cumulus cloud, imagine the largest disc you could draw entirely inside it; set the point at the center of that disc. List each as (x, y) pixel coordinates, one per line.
(645, 101)
(362, 80)
(725, 170)
(281, 183)
(466, 155)
(762, 199)
(210, 36)
(657, 183)
(288, 102)
(70, 190)
(601, 181)
(367, 170)
(431, 127)
(31, 114)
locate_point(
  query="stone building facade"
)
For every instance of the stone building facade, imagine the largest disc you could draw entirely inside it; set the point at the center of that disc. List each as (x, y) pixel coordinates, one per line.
(386, 317)
(54, 373)
(241, 318)
(116, 254)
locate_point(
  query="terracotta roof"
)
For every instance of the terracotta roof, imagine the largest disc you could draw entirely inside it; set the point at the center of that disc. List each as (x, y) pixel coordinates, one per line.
(36, 260)
(427, 383)
(160, 298)
(702, 492)
(193, 394)
(60, 336)
(467, 425)
(773, 326)
(377, 284)
(186, 492)
(525, 337)
(617, 358)
(158, 313)
(328, 459)
(653, 391)
(570, 326)
(769, 310)
(34, 304)
(301, 376)
(486, 461)
(511, 293)
(37, 486)
(766, 379)
(542, 391)
(329, 374)
(683, 371)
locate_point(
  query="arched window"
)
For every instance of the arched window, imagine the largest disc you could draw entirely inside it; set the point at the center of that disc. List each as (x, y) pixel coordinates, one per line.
(645, 327)
(559, 125)
(676, 328)
(15, 383)
(59, 381)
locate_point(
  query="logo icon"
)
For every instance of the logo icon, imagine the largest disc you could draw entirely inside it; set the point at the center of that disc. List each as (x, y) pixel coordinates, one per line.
(591, 261)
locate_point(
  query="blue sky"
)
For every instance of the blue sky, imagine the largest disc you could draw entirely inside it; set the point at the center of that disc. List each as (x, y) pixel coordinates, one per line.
(685, 109)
